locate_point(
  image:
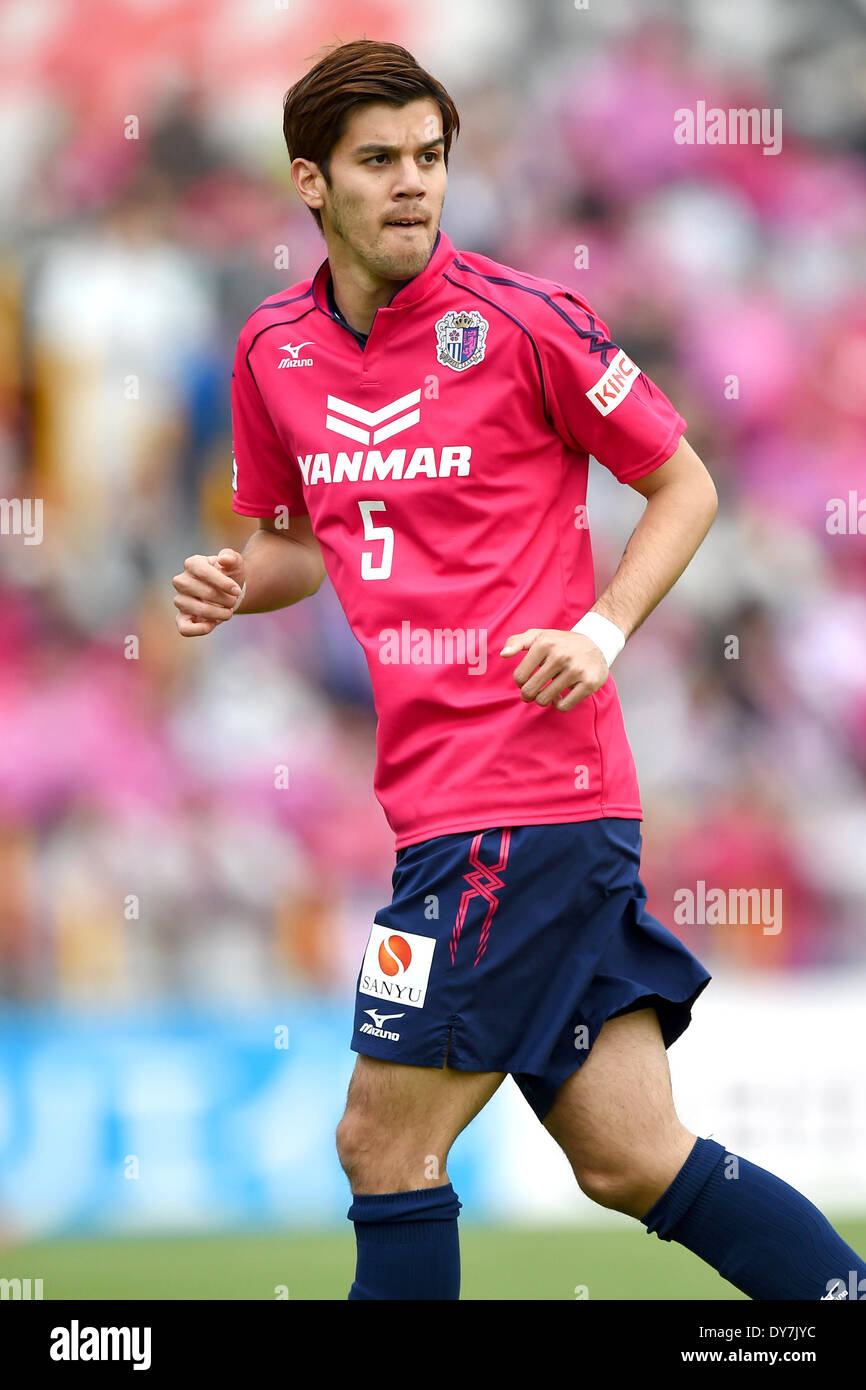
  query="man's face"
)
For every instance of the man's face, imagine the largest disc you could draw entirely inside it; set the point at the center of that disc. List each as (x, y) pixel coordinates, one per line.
(388, 167)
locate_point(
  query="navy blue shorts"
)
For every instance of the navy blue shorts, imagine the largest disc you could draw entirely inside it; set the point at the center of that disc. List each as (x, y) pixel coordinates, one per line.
(507, 949)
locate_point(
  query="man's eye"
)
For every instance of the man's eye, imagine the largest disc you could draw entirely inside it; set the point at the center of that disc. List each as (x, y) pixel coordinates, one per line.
(432, 157)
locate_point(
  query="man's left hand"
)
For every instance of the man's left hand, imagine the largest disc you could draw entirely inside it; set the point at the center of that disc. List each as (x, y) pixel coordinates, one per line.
(556, 661)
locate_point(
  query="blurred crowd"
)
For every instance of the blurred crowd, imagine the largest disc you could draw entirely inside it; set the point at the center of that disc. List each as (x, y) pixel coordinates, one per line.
(195, 819)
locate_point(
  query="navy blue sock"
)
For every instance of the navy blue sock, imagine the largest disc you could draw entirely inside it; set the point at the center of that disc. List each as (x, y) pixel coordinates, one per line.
(763, 1236)
(407, 1244)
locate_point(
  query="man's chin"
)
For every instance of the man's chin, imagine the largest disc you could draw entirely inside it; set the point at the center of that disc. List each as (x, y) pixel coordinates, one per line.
(402, 262)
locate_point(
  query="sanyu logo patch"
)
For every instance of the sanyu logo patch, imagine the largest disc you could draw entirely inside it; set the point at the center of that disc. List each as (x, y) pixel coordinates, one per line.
(396, 966)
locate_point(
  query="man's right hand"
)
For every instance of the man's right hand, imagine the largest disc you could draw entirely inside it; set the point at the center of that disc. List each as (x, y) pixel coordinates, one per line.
(207, 590)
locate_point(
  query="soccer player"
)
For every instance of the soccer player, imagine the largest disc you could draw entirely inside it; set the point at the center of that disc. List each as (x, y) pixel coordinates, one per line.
(416, 422)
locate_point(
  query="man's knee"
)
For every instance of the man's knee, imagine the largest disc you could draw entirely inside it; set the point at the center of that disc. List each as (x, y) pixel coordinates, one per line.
(631, 1179)
(356, 1142)
(613, 1188)
(378, 1157)
(401, 1121)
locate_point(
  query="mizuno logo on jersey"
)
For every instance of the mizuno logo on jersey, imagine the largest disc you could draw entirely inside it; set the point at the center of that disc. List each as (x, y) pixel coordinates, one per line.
(401, 409)
(615, 385)
(293, 360)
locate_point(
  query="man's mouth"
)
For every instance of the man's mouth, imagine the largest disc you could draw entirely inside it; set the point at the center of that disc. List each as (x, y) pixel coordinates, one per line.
(406, 222)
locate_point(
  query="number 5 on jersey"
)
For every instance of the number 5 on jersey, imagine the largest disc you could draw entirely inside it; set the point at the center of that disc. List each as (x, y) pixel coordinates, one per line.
(376, 533)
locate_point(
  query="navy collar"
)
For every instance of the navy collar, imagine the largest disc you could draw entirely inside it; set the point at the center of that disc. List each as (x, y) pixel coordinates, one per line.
(332, 304)
(404, 297)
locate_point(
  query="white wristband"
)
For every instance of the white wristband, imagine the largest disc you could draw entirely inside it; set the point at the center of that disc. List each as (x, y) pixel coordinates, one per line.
(609, 638)
(240, 598)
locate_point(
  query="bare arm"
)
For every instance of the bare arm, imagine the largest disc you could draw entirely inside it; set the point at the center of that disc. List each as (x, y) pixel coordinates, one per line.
(681, 505)
(279, 567)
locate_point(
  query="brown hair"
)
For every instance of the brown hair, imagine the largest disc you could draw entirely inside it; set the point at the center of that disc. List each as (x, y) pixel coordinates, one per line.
(316, 109)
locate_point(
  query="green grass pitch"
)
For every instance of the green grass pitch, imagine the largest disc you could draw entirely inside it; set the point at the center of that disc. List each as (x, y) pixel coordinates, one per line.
(516, 1264)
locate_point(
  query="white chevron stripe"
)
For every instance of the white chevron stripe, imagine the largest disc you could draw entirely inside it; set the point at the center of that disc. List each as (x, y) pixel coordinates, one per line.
(373, 417)
(396, 426)
(343, 427)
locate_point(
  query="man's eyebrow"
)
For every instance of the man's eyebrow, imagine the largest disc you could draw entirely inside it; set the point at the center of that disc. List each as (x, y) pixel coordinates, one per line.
(395, 149)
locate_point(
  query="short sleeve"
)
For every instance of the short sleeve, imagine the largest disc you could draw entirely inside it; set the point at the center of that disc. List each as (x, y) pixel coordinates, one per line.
(264, 476)
(599, 400)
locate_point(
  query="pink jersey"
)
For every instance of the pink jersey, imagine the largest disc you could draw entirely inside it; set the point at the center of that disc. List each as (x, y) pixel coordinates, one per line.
(444, 468)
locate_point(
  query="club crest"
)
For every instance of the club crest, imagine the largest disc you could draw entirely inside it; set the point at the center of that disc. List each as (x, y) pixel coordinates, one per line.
(460, 338)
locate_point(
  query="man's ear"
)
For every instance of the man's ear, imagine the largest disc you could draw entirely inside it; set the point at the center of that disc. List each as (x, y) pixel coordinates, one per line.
(308, 179)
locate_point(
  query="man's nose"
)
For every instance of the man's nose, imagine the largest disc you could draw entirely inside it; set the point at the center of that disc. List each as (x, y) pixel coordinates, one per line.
(408, 178)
